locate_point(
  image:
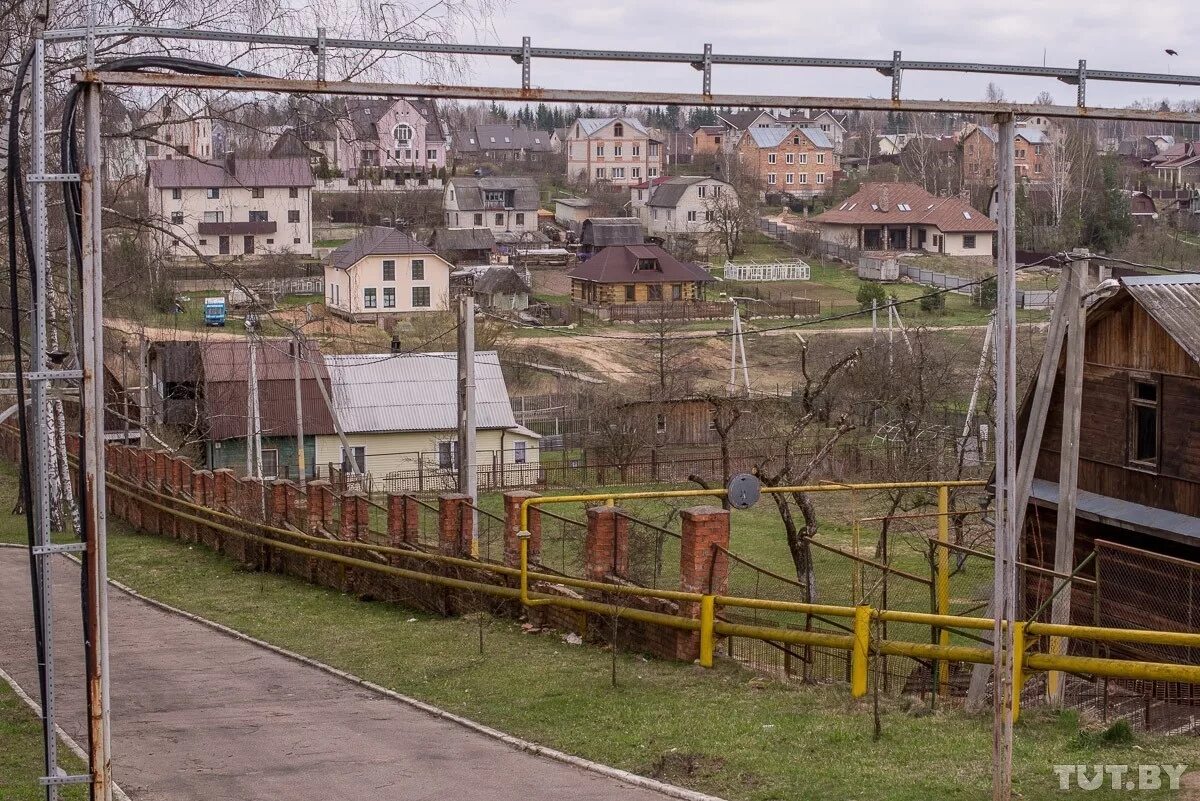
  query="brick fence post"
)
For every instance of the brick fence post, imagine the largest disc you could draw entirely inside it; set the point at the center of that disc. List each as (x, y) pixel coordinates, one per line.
(349, 526)
(454, 524)
(318, 493)
(606, 545)
(702, 567)
(202, 495)
(512, 524)
(222, 489)
(404, 522)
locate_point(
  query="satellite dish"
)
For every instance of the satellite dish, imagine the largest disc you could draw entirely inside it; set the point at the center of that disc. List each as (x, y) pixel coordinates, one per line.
(743, 490)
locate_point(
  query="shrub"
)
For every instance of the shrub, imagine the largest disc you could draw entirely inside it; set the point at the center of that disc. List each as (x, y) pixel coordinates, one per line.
(869, 291)
(934, 304)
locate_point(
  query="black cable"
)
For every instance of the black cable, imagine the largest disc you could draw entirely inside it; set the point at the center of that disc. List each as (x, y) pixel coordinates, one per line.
(15, 193)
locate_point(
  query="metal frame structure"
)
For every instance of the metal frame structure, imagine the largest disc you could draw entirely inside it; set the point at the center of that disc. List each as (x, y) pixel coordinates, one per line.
(320, 45)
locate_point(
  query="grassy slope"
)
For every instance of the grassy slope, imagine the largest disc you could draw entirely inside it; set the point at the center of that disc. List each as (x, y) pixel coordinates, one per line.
(723, 731)
(21, 753)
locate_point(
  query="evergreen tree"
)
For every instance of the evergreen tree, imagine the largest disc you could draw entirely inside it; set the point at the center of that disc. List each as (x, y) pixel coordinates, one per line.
(1108, 223)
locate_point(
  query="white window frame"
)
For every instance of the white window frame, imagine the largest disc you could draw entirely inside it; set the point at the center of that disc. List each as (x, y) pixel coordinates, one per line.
(771, 179)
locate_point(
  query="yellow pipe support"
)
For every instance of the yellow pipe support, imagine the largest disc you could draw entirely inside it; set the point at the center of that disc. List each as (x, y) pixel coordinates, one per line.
(786, 606)
(860, 655)
(926, 619)
(1115, 668)
(925, 650)
(842, 642)
(1018, 668)
(1185, 639)
(943, 582)
(707, 616)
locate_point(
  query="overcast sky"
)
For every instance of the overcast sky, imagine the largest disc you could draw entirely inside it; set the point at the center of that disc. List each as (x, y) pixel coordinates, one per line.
(1110, 34)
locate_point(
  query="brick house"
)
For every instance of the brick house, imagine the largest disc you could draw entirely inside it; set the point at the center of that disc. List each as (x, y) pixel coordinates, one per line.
(709, 140)
(1030, 156)
(619, 150)
(794, 159)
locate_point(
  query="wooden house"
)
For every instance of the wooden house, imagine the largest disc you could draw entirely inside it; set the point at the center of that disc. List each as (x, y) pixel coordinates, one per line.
(1139, 464)
(622, 274)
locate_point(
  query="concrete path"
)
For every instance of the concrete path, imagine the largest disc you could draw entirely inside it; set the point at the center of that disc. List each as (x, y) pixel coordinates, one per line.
(199, 715)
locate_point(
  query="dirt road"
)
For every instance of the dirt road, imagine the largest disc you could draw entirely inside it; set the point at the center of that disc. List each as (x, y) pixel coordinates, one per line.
(198, 714)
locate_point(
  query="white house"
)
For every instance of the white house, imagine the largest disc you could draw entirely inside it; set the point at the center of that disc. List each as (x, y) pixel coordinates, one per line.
(503, 203)
(382, 272)
(231, 208)
(400, 416)
(683, 207)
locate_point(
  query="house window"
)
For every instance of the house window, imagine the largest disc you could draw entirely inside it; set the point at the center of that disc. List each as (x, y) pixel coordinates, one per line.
(359, 454)
(630, 293)
(770, 158)
(771, 178)
(600, 150)
(259, 216)
(176, 194)
(214, 192)
(599, 172)
(789, 158)
(618, 129)
(637, 150)
(820, 158)
(293, 215)
(789, 178)
(369, 300)
(653, 150)
(520, 455)
(203, 241)
(1143, 422)
(257, 191)
(389, 269)
(418, 269)
(803, 177)
(803, 158)
(702, 190)
(616, 150)
(636, 172)
(712, 422)
(420, 297)
(270, 463)
(446, 454)
(295, 240)
(499, 218)
(389, 297)
(293, 192)
(655, 292)
(968, 241)
(520, 218)
(177, 218)
(214, 216)
(691, 216)
(653, 172)
(270, 241)
(618, 172)
(431, 155)
(403, 135)
(478, 219)
(660, 423)
(676, 291)
(820, 177)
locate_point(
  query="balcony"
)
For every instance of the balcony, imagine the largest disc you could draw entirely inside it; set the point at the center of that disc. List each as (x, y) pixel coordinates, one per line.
(236, 228)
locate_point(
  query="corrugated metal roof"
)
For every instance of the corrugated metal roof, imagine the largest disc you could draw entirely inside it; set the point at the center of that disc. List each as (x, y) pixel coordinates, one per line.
(1174, 303)
(618, 265)
(606, 231)
(414, 392)
(589, 125)
(378, 240)
(774, 136)
(233, 172)
(1123, 514)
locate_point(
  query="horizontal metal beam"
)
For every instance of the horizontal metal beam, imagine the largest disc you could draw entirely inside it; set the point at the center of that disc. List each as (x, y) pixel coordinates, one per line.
(1070, 74)
(291, 85)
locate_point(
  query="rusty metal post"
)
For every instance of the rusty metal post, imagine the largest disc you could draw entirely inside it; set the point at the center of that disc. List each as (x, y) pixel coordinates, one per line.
(95, 557)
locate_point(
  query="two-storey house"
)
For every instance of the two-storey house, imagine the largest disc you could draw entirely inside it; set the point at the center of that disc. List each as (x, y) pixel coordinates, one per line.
(684, 208)
(384, 272)
(500, 142)
(617, 150)
(177, 126)
(793, 159)
(506, 204)
(231, 208)
(1030, 155)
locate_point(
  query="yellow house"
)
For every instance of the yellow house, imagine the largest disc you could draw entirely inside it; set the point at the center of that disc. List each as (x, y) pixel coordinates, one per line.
(400, 416)
(383, 272)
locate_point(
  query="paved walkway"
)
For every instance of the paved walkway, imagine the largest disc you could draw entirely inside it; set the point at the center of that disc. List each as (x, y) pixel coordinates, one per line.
(199, 715)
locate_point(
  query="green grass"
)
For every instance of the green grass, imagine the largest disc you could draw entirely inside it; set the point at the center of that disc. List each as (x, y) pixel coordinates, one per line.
(723, 731)
(21, 753)
(329, 243)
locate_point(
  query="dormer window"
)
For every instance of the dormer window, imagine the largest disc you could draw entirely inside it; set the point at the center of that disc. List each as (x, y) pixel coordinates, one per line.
(647, 264)
(618, 130)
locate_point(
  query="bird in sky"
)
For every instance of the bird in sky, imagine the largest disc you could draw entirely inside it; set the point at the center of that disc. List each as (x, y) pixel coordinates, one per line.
(1171, 52)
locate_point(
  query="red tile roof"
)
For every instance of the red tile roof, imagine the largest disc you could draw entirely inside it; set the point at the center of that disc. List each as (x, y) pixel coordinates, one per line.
(906, 204)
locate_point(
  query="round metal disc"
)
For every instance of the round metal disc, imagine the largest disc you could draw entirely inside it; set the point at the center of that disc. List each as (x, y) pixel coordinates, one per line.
(743, 490)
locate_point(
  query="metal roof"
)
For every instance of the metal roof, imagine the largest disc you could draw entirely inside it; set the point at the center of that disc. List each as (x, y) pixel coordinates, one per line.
(618, 264)
(605, 231)
(378, 240)
(471, 192)
(774, 136)
(414, 392)
(1123, 514)
(231, 172)
(1174, 303)
(669, 192)
(589, 125)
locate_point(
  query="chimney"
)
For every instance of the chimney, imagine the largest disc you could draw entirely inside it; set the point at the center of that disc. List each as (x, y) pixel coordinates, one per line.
(885, 199)
(230, 163)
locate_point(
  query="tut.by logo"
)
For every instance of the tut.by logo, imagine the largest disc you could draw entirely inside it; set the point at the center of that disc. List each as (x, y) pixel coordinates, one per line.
(1119, 777)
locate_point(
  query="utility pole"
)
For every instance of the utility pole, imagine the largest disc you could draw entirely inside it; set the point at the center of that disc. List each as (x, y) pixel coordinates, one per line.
(301, 467)
(1075, 314)
(347, 451)
(1005, 580)
(874, 318)
(466, 409)
(250, 387)
(143, 389)
(737, 347)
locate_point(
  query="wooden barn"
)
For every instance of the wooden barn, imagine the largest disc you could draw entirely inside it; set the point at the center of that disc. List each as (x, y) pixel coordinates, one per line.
(1139, 467)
